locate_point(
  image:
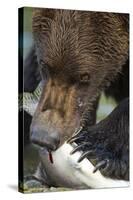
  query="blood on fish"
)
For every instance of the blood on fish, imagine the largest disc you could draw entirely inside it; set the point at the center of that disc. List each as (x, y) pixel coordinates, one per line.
(51, 157)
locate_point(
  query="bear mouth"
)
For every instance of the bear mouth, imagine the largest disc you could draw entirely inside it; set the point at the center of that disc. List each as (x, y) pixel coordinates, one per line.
(46, 152)
(50, 156)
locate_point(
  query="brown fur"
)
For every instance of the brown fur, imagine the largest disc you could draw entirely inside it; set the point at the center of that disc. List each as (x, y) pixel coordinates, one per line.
(82, 52)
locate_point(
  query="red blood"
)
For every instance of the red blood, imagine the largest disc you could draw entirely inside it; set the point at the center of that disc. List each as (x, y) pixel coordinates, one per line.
(51, 157)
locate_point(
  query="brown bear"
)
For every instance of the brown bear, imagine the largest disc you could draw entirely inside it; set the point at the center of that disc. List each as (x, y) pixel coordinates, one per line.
(80, 54)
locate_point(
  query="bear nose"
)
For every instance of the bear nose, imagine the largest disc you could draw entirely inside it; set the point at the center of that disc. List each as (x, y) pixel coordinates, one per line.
(42, 138)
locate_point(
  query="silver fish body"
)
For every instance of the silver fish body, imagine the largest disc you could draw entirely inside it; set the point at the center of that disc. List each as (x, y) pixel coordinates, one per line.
(65, 171)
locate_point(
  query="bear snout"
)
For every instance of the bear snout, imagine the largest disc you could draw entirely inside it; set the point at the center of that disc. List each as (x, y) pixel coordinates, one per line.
(43, 138)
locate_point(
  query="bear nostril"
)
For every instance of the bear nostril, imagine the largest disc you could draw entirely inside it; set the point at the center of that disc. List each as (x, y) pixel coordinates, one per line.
(41, 138)
(57, 143)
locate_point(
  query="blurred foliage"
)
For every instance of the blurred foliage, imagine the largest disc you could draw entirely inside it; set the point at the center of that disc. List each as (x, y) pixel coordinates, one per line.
(106, 105)
(27, 35)
(28, 19)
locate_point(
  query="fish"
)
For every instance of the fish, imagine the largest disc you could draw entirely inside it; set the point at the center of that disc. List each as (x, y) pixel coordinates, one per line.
(66, 171)
(62, 168)
(28, 101)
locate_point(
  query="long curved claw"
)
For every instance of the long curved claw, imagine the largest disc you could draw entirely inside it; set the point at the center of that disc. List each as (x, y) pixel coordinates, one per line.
(101, 165)
(73, 139)
(75, 134)
(78, 148)
(84, 155)
(78, 131)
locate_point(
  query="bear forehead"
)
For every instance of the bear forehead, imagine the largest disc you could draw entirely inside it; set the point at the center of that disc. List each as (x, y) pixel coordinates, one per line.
(78, 40)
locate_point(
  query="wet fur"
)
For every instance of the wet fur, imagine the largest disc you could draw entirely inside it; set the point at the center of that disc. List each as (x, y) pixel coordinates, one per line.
(109, 141)
(73, 45)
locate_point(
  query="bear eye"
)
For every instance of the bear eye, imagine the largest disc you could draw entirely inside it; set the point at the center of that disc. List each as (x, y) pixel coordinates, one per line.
(42, 64)
(84, 78)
